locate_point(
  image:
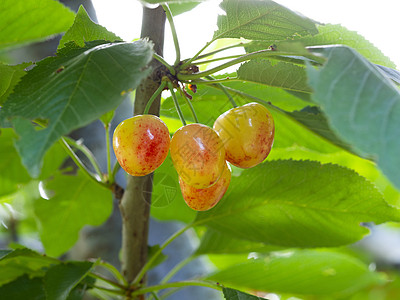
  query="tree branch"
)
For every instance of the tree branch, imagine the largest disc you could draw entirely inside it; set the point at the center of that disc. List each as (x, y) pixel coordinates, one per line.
(135, 203)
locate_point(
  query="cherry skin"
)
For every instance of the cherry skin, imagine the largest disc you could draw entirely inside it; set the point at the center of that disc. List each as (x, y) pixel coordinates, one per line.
(247, 133)
(198, 155)
(141, 144)
(205, 199)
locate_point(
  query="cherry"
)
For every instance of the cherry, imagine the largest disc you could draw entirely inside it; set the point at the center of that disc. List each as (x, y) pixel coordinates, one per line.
(205, 199)
(141, 144)
(198, 155)
(247, 133)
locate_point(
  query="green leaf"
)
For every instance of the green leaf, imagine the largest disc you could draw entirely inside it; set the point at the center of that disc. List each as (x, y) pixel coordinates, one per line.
(362, 106)
(75, 201)
(10, 75)
(20, 262)
(309, 272)
(12, 172)
(61, 279)
(71, 90)
(277, 96)
(32, 20)
(215, 242)
(316, 121)
(282, 75)
(298, 204)
(4, 253)
(107, 117)
(330, 34)
(24, 288)
(261, 20)
(232, 294)
(160, 259)
(85, 30)
(394, 75)
(179, 8)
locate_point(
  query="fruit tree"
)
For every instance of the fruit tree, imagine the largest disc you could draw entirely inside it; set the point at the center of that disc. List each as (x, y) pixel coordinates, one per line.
(279, 159)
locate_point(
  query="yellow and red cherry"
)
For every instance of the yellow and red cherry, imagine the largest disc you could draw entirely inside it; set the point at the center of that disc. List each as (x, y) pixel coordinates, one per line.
(207, 198)
(247, 133)
(141, 144)
(198, 155)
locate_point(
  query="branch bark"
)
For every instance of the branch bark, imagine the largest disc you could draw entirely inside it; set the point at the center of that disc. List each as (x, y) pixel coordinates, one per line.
(135, 203)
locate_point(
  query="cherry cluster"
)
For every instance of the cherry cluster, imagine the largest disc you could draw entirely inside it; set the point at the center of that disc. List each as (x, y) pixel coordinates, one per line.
(242, 136)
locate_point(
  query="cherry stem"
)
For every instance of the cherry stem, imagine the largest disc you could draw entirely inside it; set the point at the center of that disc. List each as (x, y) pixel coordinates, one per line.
(176, 103)
(114, 171)
(225, 91)
(154, 294)
(108, 145)
(173, 31)
(109, 281)
(80, 164)
(89, 155)
(154, 96)
(167, 65)
(176, 284)
(177, 268)
(188, 62)
(217, 59)
(66, 142)
(217, 51)
(242, 58)
(214, 81)
(189, 103)
(153, 258)
(113, 270)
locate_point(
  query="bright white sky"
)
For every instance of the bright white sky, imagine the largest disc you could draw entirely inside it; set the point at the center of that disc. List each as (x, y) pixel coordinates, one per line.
(378, 22)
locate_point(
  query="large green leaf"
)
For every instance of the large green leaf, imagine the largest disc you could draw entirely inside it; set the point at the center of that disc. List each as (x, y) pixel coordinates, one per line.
(61, 279)
(24, 288)
(301, 272)
(261, 20)
(298, 204)
(75, 201)
(20, 262)
(330, 34)
(31, 20)
(282, 75)
(4, 252)
(277, 96)
(85, 30)
(315, 120)
(215, 242)
(10, 75)
(71, 90)
(361, 105)
(232, 294)
(12, 172)
(182, 7)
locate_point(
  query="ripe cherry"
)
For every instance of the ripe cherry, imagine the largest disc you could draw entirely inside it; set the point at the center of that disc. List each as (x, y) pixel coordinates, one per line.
(141, 144)
(247, 133)
(205, 199)
(198, 155)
